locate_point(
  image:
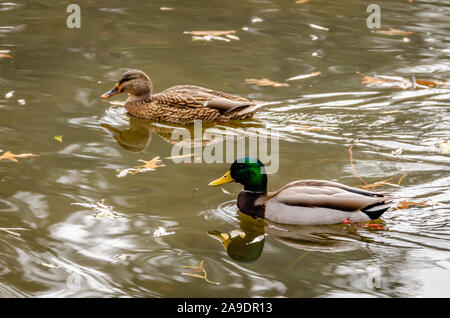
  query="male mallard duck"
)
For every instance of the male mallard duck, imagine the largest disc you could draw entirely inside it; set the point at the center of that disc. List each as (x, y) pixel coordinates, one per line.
(180, 104)
(307, 202)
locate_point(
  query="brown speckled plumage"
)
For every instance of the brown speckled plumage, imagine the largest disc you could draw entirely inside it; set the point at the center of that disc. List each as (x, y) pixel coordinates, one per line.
(182, 104)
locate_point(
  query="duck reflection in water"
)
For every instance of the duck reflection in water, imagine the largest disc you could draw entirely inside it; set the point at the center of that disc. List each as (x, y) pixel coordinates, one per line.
(137, 136)
(246, 244)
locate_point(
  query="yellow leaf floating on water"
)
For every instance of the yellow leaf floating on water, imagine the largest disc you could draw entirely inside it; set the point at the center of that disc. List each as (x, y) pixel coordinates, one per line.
(199, 269)
(393, 32)
(301, 1)
(147, 166)
(12, 157)
(265, 82)
(7, 56)
(59, 138)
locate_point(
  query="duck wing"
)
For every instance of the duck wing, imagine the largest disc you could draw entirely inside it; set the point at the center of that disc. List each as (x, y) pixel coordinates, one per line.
(331, 196)
(196, 97)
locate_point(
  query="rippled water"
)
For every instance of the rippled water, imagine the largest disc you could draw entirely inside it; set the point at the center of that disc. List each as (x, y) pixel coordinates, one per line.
(57, 75)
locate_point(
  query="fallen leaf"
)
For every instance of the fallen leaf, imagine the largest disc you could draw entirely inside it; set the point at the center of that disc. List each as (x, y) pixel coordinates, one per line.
(257, 20)
(377, 184)
(12, 157)
(432, 83)
(265, 82)
(387, 81)
(406, 204)
(309, 128)
(301, 1)
(304, 76)
(393, 32)
(58, 138)
(210, 33)
(21, 101)
(150, 165)
(7, 56)
(445, 147)
(9, 94)
(166, 9)
(198, 269)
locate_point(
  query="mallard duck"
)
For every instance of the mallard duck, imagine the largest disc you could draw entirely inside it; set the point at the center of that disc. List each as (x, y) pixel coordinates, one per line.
(303, 202)
(182, 104)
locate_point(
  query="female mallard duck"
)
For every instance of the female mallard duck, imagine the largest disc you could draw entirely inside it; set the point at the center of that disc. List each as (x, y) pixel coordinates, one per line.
(180, 104)
(307, 202)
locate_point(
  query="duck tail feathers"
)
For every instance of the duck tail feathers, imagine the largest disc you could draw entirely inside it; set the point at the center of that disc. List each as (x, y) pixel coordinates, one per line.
(375, 210)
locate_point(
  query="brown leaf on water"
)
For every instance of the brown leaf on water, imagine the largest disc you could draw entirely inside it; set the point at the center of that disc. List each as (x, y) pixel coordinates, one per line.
(432, 83)
(401, 82)
(7, 56)
(301, 1)
(151, 164)
(166, 9)
(377, 184)
(394, 32)
(210, 33)
(387, 81)
(407, 204)
(147, 166)
(265, 82)
(309, 128)
(198, 269)
(12, 157)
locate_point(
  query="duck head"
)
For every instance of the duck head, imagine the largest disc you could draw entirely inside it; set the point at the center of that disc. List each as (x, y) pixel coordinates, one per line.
(135, 83)
(247, 171)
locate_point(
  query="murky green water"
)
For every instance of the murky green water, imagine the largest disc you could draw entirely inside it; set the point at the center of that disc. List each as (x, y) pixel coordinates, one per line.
(57, 75)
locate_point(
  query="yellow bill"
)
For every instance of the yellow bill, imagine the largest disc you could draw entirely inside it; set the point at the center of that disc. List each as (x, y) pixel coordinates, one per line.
(225, 179)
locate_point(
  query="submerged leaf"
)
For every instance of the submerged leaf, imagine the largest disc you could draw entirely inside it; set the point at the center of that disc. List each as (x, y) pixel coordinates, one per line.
(198, 269)
(265, 82)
